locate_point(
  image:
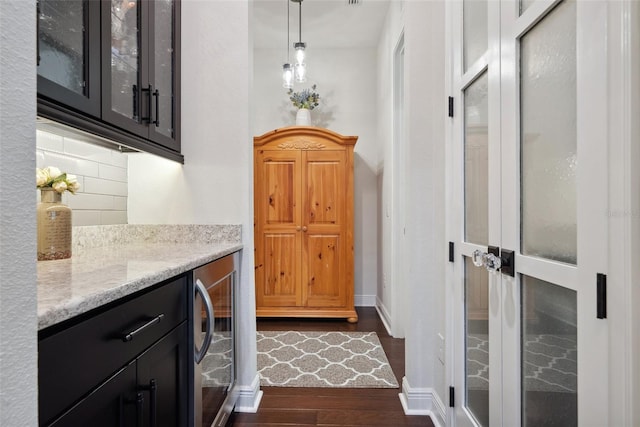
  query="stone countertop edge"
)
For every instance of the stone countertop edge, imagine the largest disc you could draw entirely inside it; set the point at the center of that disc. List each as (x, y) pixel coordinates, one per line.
(97, 275)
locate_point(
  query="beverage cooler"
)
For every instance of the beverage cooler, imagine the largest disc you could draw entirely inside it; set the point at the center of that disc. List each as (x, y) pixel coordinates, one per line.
(214, 394)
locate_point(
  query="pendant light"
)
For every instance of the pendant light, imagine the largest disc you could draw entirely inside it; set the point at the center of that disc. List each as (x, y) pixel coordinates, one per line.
(299, 46)
(287, 69)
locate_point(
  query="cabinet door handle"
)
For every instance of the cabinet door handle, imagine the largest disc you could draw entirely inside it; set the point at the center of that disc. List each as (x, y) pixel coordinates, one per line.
(206, 342)
(139, 407)
(156, 94)
(149, 91)
(128, 336)
(152, 388)
(136, 116)
(38, 33)
(304, 228)
(138, 401)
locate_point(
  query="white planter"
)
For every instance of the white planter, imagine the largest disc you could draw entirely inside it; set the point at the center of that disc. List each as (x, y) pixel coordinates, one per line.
(303, 117)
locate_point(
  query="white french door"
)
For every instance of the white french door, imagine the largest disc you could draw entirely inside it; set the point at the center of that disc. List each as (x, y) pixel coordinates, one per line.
(529, 178)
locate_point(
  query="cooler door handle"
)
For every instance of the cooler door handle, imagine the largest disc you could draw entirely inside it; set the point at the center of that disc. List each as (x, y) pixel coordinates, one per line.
(200, 289)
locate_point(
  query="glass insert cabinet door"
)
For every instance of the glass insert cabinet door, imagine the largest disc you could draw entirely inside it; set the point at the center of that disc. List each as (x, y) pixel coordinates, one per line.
(68, 53)
(140, 64)
(529, 346)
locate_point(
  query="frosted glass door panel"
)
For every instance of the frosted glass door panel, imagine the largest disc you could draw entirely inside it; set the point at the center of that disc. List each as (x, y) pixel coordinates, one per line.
(548, 136)
(62, 43)
(125, 58)
(549, 354)
(476, 162)
(474, 30)
(163, 66)
(477, 341)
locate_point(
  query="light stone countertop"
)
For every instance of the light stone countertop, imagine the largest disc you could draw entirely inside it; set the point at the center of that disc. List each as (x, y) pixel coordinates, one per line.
(134, 257)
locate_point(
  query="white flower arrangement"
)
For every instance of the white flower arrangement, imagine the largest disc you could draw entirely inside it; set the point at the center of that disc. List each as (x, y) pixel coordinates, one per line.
(52, 177)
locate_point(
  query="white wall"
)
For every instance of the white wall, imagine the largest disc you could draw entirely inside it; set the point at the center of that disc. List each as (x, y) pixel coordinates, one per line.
(386, 288)
(346, 82)
(18, 320)
(422, 291)
(426, 108)
(101, 172)
(215, 184)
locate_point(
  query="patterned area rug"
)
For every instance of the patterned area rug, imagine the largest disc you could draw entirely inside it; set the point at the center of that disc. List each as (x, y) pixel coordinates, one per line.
(551, 363)
(323, 359)
(216, 365)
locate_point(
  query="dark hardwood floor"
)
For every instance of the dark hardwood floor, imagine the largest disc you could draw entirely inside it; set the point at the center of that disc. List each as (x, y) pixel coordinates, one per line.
(288, 406)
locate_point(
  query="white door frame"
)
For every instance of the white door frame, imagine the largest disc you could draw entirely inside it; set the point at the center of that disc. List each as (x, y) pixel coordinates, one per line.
(398, 224)
(624, 212)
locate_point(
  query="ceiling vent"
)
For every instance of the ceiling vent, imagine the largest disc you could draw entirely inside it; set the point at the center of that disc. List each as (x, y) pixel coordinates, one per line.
(354, 2)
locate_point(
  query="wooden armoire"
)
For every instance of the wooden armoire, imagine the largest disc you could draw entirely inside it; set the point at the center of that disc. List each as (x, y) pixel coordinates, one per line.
(303, 209)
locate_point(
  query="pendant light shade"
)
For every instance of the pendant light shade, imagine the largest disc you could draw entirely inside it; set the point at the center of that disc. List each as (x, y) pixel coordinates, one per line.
(301, 73)
(297, 71)
(299, 46)
(287, 70)
(287, 76)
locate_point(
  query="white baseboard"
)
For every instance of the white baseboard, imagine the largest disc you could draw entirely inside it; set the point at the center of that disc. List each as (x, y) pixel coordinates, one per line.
(249, 397)
(422, 401)
(384, 315)
(364, 300)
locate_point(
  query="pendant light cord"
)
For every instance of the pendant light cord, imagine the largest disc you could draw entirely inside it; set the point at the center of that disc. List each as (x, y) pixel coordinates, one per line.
(288, 41)
(300, 22)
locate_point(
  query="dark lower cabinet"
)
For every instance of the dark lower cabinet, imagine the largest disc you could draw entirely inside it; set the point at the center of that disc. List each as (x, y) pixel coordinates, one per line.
(121, 365)
(162, 377)
(114, 403)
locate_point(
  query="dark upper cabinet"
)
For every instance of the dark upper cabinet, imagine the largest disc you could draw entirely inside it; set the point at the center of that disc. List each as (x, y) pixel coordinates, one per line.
(69, 53)
(139, 73)
(112, 68)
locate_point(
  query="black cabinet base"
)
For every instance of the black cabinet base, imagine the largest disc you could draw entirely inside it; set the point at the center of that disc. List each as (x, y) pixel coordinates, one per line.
(76, 120)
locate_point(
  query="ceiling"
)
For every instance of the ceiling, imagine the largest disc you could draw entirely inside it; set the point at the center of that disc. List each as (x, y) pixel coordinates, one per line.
(325, 23)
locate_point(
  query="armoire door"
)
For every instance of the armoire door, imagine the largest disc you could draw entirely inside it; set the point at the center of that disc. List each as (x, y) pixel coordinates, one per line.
(279, 232)
(323, 226)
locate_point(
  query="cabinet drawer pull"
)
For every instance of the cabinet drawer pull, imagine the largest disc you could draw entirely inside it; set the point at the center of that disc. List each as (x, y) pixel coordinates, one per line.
(128, 336)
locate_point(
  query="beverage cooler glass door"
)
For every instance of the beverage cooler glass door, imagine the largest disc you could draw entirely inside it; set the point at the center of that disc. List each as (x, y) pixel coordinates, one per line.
(214, 374)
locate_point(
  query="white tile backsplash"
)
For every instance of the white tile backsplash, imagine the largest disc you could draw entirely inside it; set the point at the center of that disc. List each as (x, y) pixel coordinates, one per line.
(113, 217)
(105, 186)
(113, 173)
(102, 174)
(87, 151)
(85, 217)
(70, 164)
(50, 142)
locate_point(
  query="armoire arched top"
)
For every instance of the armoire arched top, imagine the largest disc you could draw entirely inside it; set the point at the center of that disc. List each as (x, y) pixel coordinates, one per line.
(303, 137)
